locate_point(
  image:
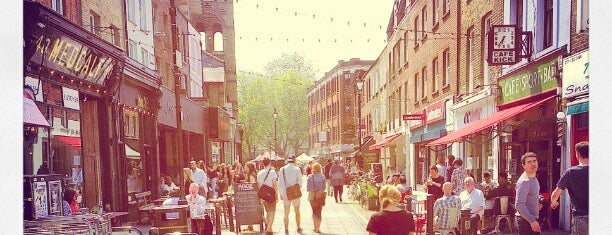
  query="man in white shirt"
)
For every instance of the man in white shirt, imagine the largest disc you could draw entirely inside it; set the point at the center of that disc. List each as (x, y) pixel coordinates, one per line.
(268, 177)
(199, 177)
(290, 175)
(473, 199)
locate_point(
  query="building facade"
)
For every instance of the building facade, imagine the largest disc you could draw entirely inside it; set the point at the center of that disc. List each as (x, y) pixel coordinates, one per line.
(332, 110)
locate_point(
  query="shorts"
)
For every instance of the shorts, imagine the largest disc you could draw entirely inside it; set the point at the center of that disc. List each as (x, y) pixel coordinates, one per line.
(294, 202)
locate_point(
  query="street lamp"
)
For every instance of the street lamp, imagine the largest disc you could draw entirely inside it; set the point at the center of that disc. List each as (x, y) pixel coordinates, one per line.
(359, 84)
(275, 115)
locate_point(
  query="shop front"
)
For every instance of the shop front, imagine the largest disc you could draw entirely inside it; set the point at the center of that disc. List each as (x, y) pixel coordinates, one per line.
(218, 136)
(430, 127)
(386, 152)
(137, 163)
(535, 128)
(73, 75)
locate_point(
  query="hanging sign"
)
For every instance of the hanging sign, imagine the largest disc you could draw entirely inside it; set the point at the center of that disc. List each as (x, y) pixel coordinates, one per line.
(576, 75)
(71, 98)
(504, 45)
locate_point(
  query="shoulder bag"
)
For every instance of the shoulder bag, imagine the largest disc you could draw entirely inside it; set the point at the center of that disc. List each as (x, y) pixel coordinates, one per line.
(316, 197)
(266, 192)
(293, 191)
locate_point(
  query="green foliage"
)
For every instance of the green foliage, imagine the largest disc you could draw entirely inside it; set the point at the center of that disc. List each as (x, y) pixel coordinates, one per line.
(284, 87)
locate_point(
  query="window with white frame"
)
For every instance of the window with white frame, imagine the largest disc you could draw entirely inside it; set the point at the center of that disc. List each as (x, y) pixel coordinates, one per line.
(548, 23)
(486, 26)
(131, 8)
(406, 95)
(406, 46)
(435, 6)
(144, 55)
(142, 6)
(416, 30)
(424, 82)
(446, 6)
(470, 58)
(132, 49)
(416, 87)
(434, 77)
(424, 22)
(446, 63)
(94, 22)
(58, 6)
(582, 16)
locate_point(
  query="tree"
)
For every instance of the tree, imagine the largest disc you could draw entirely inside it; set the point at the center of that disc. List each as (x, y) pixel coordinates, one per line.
(284, 87)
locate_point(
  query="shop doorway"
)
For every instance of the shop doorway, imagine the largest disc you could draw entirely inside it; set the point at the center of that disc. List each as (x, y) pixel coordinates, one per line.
(549, 165)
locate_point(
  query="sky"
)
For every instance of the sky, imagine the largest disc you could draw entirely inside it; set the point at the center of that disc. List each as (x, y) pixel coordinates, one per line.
(264, 34)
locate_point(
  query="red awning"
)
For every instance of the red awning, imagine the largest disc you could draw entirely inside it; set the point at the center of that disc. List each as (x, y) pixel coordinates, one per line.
(75, 142)
(377, 146)
(488, 122)
(31, 114)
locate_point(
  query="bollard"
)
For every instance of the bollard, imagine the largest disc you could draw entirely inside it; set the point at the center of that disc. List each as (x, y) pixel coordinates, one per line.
(430, 214)
(464, 221)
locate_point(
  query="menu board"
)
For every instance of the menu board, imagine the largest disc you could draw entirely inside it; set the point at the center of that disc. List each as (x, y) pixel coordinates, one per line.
(248, 206)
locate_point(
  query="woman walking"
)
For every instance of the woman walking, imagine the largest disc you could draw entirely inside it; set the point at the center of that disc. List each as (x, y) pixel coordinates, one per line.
(316, 194)
(386, 221)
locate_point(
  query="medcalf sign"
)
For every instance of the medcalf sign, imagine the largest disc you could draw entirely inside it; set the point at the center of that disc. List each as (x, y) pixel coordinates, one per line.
(248, 207)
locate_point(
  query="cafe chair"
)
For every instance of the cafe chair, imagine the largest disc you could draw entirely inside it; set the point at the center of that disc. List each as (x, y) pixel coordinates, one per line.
(503, 211)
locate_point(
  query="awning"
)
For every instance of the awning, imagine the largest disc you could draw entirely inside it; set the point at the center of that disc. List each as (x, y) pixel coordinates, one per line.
(131, 153)
(75, 142)
(578, 108)
(31, 113)
(488, 122)
(378, 146)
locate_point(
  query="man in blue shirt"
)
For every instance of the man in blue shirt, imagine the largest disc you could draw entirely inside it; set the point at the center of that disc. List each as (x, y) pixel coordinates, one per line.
(527, 192)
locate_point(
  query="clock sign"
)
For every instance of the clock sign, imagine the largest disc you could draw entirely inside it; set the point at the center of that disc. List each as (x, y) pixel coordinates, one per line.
(503, 45)
(504, 37)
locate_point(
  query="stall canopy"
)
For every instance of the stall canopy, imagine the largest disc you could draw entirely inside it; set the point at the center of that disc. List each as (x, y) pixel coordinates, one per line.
(73, 141)
(31, 114)
(304, 158)
(131, 153)
(379, 145)
(488, 122)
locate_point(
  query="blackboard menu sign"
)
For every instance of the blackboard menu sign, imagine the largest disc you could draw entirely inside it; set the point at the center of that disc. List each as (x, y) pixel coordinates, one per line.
(248, 207)
(377, 168)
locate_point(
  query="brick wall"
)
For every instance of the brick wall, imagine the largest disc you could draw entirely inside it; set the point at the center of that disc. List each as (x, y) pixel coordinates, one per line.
(578, 41)
(72, 10)
(472, 15)
(111, 13)
(163, 42)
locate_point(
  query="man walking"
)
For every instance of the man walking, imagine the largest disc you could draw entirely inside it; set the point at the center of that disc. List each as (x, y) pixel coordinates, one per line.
(199, 177)
(290, 175)
(268, 177)
(441, 168)
(576, 181)
(336, 174)
(473, 199)
(458, 176)
(326, 173)
(527, 191)
(442, 210)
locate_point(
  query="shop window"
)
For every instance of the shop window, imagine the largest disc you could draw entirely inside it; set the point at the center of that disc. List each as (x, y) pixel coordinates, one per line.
(130, 123)
(134, 171)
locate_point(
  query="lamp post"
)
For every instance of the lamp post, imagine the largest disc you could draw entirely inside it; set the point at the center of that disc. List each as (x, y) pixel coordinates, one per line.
(359, 86)
(275, 115)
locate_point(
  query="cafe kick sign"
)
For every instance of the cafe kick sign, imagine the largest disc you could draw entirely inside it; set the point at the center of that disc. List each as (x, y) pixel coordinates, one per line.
(533, 80)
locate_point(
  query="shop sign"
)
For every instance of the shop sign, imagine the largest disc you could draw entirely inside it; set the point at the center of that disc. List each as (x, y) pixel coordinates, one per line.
(436, 112)
(416, 123)
(71, 98)
(531, 81)
(72, 57)
(36, 85)
(576, 75)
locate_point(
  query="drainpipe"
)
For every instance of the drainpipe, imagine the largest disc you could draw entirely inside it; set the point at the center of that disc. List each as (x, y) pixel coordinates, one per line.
(177, 82)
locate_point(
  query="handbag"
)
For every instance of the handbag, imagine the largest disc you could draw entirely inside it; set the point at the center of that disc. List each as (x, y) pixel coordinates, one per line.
(316, 197)
(266, 192)
(293, 191)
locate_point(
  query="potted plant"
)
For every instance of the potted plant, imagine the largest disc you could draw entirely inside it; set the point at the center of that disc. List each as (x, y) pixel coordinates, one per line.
(372, 198)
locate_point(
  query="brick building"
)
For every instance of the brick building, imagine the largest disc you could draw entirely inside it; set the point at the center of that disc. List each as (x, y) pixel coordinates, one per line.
(332, 111)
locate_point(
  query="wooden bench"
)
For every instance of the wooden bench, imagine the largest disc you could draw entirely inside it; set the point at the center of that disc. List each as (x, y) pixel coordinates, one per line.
(144, 204)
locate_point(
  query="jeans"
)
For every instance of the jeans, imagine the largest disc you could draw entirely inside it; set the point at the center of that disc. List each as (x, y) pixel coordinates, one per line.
(523, 226)
(580, 225)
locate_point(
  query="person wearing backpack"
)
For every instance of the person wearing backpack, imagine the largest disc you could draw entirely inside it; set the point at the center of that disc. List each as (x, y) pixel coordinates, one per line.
(268, 177)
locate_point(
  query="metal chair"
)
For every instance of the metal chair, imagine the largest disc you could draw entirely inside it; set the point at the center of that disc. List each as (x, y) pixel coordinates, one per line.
(503, 211)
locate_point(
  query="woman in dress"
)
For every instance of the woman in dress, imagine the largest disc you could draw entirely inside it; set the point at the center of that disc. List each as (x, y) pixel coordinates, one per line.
(386, 221)
(315, 184)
